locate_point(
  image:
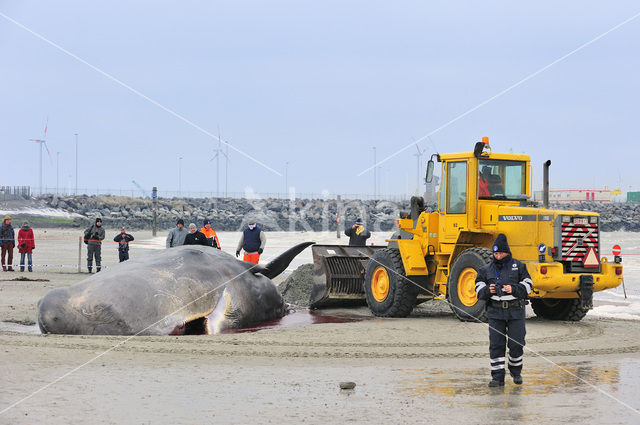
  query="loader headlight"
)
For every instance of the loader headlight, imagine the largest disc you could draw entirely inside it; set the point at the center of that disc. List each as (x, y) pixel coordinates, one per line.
(566, 219)
(593, 219)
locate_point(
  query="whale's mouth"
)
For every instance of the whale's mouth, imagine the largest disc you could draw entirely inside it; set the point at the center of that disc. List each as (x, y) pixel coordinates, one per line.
(197, 326)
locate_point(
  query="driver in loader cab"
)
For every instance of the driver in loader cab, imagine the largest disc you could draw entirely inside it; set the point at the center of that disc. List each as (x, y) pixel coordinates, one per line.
(505, 284)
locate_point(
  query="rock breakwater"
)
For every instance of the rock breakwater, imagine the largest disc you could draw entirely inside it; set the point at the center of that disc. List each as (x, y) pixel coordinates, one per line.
(232, 214)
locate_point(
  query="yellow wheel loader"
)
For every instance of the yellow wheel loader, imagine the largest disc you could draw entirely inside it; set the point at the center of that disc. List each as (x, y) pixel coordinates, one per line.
(436, 255)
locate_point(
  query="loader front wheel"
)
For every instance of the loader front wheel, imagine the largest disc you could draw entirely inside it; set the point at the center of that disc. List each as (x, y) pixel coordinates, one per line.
(461, 287)
(388, 291)
(558, 309)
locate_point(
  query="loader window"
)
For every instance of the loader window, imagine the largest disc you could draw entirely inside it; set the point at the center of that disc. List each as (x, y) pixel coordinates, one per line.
(501, 179)
(456, 187)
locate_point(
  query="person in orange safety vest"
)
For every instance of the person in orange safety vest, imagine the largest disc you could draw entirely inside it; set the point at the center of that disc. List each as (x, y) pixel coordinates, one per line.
(211, 235)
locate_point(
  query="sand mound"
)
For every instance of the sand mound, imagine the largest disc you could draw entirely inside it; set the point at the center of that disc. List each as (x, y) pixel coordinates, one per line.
(296, 289)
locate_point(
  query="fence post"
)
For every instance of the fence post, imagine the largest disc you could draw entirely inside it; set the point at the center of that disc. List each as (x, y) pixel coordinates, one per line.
(154, 195)
(79, 252)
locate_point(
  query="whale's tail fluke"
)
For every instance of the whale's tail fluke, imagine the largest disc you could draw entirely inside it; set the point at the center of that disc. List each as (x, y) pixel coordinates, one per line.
(281, 262)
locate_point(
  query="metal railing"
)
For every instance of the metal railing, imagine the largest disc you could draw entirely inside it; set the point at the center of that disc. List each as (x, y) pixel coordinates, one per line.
(9, 193)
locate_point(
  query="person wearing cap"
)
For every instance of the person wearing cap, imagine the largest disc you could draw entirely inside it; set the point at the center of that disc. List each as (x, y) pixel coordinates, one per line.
(123, 238)
(26, 245)
(7, 242)
(195, 237)
(94, 236)
(252, 241)
(177, 235)
(358, 235)
(211, 235)
(505, 284)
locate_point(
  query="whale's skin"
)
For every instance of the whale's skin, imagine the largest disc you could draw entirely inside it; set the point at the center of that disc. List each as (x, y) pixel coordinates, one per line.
(162, 294)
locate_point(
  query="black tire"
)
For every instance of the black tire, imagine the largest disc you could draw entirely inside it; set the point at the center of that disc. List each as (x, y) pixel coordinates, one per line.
(402, 292)
(558, 309)
(474, 258)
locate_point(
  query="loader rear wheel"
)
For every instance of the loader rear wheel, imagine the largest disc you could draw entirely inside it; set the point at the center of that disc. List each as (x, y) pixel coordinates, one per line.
(388, 291)
(558, 309)
(461, 287)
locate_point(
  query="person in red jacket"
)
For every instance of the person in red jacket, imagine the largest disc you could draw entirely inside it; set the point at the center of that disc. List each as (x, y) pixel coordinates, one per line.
(26, 245)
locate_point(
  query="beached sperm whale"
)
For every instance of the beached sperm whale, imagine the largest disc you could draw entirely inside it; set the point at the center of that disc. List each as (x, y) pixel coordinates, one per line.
(184, 290)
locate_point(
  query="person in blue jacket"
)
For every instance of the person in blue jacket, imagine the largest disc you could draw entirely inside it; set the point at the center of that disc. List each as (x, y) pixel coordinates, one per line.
(505, 284)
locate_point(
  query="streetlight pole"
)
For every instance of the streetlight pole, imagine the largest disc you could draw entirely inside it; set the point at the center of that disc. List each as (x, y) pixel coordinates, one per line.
(375, 177)
(76, 190)
(286, 178)
(179, 176)
(57, 171)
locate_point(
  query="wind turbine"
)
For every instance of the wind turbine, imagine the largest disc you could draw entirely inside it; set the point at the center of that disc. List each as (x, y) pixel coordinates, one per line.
(219, 151)
(418, 156)
(43, 142)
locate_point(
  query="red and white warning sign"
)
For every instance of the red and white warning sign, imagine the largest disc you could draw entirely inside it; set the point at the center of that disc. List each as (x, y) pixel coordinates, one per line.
(590, 258)
(616, 250)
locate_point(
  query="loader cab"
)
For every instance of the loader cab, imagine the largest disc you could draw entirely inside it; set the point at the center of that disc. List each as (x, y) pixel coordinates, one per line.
(502, 179)
(472, 179)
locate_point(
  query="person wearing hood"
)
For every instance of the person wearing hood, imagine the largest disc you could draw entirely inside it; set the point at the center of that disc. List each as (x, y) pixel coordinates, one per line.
(93, 237)
(177, 235)
(505, 284)
(252, 241)
(26, 245)
(358, 235)
(7, 242)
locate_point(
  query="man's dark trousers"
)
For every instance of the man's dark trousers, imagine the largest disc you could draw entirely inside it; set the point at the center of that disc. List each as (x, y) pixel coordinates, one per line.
(515, 330)
(123, 255)
(94, 250)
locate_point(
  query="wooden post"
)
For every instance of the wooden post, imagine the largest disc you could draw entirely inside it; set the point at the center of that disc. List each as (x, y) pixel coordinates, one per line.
(79, 253)
(154, 196)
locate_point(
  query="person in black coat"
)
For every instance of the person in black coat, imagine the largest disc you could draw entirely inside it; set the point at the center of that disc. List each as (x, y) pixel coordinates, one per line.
(505, 284)
(123, 238)
(358, 235)
(195, 237)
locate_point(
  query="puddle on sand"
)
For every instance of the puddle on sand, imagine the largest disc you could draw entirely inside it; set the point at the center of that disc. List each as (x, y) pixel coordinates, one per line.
(298, 318)
(565, 392)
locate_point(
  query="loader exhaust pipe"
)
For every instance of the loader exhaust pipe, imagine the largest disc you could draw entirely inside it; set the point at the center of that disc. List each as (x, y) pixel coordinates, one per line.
(545, 183)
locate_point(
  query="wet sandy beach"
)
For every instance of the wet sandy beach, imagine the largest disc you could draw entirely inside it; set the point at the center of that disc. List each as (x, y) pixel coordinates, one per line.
(428, 368)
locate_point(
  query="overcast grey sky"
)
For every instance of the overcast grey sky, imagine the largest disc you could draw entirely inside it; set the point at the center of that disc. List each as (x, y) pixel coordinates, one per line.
(317, 85)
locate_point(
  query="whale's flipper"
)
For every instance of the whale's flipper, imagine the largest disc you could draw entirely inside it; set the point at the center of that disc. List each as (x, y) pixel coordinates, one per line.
(280, 263)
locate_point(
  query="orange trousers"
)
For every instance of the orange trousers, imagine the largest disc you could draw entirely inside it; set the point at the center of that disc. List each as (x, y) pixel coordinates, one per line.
(251, 258)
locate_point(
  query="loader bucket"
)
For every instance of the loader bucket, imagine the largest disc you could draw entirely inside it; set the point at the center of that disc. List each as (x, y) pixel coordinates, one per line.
(338, 274)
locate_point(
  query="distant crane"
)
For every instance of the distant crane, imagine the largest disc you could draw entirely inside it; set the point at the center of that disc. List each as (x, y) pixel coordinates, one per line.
(418, 156)
(142, 191)
(43, 142)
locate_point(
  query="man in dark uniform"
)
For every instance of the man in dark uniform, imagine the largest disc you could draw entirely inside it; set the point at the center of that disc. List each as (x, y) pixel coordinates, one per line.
(93, 237)
(505, 284)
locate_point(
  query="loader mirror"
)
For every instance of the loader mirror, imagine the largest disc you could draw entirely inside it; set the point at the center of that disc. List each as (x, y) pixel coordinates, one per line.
(429, 176)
